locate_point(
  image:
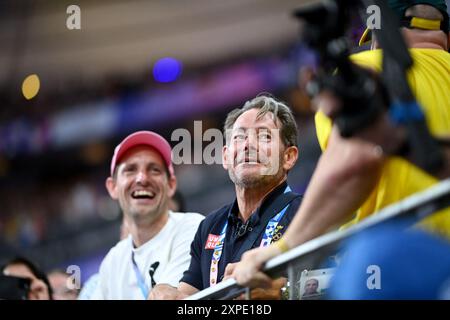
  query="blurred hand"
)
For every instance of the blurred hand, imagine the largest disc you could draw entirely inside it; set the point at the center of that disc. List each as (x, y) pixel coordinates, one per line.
(229, 271)
(38, 290)
(165, 292)
(273, 293)
(247, 272)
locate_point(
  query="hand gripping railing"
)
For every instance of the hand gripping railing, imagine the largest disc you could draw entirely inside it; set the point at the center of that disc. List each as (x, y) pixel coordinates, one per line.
(310, 254)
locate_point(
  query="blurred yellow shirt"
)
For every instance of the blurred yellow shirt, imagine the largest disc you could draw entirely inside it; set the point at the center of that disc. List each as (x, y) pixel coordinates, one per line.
(429, 79)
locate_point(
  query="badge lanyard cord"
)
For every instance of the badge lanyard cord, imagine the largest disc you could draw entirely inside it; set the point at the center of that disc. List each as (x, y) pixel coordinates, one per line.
(140, 279)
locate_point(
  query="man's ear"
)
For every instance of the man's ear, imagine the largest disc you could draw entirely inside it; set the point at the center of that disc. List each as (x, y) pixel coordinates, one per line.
(225, 157)
(110, 184)
(290, 157)
(172, 182)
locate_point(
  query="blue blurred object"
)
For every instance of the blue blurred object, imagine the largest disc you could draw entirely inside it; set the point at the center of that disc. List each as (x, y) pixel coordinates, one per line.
(167, 70)
(411, 264)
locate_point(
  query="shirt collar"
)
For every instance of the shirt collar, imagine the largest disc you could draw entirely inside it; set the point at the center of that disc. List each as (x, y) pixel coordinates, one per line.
(233, 217)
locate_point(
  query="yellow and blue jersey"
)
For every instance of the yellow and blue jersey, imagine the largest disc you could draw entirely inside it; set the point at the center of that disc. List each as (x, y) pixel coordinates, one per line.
(429, 79)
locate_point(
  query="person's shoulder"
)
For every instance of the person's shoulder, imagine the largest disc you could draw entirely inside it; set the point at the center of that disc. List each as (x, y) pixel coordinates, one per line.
(213, 220)
(114, 258)
(217, 215)
(89, 287)
(430, 53)
(211, 224)
(186, 220)
(295, 200)
(118, 250)
(187, 216)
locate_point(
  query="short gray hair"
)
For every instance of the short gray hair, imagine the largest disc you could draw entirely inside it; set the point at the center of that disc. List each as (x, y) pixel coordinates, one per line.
(265, 104)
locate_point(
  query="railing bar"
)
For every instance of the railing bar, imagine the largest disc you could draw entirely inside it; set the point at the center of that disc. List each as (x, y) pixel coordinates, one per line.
(291, 279)
(421, 204)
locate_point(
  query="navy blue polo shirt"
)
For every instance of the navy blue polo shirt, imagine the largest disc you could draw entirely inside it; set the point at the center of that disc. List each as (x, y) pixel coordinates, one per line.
(239, 237)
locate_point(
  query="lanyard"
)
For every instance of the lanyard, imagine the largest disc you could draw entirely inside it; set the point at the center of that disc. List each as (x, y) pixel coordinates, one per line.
(139, 278)
(265, 241)
(271, 227)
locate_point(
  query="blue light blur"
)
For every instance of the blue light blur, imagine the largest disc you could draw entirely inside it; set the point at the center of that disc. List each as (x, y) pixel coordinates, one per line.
(167, 70)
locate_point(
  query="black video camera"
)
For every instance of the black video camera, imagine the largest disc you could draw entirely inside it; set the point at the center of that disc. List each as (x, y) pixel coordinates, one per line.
(365, 96)
(14, 288)
(361, 93)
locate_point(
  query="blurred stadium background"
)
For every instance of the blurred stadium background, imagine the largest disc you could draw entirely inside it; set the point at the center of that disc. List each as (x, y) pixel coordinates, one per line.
(102, 82)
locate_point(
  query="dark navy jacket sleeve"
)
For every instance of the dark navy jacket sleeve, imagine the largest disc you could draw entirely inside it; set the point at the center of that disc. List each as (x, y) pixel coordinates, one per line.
(193, 276)
(198, 273)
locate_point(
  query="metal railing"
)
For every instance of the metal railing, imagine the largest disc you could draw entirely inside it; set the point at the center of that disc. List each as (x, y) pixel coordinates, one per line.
(310, 254)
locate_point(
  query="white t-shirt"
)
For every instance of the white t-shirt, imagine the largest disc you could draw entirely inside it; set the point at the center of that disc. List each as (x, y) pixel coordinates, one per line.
(170, 247)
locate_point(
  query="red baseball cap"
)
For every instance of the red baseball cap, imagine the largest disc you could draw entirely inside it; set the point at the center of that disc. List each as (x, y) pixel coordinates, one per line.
(148, 138)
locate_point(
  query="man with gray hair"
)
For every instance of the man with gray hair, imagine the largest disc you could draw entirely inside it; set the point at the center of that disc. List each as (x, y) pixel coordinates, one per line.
(359, 175)
(260, 149)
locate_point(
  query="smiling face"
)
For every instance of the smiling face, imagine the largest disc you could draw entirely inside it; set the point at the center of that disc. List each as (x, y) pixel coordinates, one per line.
(141, 185)
(254, 154)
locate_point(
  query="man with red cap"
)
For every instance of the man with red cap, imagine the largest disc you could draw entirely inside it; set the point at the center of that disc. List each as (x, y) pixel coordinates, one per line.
(157, 250)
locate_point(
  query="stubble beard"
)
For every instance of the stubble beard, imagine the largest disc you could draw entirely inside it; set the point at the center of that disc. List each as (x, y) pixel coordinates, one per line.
(254, 181)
